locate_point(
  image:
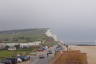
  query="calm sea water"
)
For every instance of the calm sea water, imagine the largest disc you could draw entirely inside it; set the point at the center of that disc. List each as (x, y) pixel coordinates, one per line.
(81, 43)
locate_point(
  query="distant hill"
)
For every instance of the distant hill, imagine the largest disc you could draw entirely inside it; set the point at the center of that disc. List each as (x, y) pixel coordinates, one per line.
(33, 31)
(23, 35)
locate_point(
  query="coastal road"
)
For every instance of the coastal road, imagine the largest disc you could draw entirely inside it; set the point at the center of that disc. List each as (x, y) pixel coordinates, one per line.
(46, 60)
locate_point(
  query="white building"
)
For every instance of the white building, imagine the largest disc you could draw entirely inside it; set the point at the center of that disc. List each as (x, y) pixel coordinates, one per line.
(2, 45)
(11, 45)
(36, 43)
(12, 48)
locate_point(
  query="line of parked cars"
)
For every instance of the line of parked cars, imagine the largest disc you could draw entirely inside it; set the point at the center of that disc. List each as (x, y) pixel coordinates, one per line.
(15, 60)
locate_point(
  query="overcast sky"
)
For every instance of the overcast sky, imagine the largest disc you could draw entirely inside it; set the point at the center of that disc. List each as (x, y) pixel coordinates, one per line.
(70, 19)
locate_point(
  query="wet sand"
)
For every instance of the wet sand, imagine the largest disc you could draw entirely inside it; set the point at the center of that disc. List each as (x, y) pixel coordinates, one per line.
(90, 50)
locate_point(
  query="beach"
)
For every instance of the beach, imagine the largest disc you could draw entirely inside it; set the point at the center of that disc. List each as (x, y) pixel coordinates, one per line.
(90, 50)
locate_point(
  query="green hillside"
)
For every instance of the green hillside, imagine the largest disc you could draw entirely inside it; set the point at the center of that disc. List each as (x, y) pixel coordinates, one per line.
(24, 35)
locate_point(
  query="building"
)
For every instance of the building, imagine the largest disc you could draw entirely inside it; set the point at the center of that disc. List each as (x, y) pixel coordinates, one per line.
(12, 48)
(30, 44)
(2, 45)
(22, 45)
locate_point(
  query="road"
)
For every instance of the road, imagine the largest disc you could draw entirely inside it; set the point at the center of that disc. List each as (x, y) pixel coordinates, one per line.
(37, 60)
(46, 60)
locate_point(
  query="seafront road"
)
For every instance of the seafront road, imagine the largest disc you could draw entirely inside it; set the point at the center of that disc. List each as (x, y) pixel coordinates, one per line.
(46, 60)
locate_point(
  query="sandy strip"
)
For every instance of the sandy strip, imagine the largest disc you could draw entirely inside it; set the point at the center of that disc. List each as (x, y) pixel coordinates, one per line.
(90, 50)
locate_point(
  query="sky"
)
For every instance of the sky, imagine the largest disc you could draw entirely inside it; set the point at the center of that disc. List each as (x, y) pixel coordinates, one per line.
(69, 19)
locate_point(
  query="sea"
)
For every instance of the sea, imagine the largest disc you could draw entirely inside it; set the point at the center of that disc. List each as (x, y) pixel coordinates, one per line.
(81, 43)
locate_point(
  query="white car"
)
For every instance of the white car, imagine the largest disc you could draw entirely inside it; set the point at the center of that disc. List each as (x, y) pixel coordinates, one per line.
(19, 60)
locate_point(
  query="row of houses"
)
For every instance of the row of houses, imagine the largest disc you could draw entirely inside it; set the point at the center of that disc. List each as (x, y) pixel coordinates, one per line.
(22, 45)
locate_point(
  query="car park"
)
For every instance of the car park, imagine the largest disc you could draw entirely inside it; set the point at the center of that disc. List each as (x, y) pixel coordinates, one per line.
(6, 61)
(14, 60)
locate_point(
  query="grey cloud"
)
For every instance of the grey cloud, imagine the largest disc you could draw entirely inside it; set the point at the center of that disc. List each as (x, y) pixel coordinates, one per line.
(71, 19)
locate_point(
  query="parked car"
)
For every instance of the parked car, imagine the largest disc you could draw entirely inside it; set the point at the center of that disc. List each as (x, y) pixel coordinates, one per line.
(19, 60)
(41, 56)
(24, 58)
(6, 61)
(58, 48)
(49, 52)
(13, 60)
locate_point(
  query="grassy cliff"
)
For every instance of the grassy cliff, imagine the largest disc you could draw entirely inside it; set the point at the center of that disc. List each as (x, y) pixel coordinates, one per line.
(24, 35)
